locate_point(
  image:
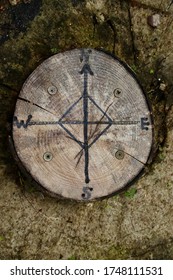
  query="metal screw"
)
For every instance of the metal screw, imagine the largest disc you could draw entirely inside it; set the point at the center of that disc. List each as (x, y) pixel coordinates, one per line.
(117, 92)
(47, 156)
(119, 155)
(52, 90)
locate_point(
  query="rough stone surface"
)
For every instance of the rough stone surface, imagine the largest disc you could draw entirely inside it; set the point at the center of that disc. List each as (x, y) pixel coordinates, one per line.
(136, 224)
(154, 20)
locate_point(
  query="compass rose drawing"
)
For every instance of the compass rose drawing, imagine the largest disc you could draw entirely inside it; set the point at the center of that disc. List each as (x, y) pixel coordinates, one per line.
(82, 126)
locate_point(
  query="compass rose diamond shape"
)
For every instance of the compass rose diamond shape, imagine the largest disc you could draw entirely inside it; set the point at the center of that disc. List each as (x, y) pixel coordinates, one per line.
(74, 127)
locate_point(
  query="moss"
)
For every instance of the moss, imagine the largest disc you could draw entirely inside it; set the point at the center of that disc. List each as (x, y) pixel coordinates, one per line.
(59, 26)
(116, 253)
(72, 257)
(130, 193)
(2, 238)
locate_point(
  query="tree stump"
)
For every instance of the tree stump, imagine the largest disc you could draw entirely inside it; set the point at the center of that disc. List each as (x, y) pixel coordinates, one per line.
(82, 126)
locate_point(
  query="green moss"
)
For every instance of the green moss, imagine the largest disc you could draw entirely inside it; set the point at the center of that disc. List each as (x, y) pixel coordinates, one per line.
(161, 154)
(1, 238)
(152, 71)
(54, 50)
(59, 26)
(130, 193)
(116, 253)
(134, 67)
(72, 257)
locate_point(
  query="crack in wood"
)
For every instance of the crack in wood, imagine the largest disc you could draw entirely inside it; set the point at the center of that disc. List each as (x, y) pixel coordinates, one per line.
(26, 100)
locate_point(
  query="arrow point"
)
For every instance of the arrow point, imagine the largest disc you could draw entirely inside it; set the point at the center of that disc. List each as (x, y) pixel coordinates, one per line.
(86, 68)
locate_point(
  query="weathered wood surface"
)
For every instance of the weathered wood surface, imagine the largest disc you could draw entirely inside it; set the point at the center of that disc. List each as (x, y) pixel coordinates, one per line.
(82, 126)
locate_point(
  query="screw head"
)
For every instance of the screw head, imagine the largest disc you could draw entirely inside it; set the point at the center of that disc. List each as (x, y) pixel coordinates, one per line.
(119, 155)
(47, 156)
(52, 90)
(117, 92)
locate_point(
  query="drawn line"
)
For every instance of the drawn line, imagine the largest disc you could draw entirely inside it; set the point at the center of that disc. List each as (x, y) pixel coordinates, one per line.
(99, 135)
(85, 129)
(70, 108)
(92, 100)
(71, 135)
(82, 122)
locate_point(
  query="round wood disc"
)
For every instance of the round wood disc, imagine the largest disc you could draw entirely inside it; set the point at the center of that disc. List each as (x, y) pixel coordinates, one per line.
(82, 126)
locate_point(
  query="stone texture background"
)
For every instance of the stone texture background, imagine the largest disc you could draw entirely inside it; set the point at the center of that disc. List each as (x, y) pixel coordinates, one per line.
(136, 224)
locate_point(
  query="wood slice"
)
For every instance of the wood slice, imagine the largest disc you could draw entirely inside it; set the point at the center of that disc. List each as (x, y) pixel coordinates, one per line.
(82, 126)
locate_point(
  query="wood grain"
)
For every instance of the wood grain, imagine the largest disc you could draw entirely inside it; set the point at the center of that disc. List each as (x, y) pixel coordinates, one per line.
(56, 99)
